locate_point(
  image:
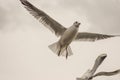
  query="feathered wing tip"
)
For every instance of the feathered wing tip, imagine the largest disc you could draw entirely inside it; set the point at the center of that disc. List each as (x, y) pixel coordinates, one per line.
(24, 2)
(58, 50)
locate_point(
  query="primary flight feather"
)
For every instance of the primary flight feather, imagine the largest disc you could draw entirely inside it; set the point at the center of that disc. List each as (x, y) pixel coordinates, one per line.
(67, 35)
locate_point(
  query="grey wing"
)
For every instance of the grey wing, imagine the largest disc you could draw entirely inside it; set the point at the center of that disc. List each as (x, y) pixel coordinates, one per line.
(85, 36)
(46, 20)
(98, 62)
(107, 73)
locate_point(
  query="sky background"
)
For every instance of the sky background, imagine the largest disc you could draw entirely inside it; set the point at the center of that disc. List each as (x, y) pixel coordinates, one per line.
(24, 52)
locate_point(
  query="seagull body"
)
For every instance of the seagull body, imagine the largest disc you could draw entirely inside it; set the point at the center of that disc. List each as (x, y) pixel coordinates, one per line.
(67, 35)
(62, 46)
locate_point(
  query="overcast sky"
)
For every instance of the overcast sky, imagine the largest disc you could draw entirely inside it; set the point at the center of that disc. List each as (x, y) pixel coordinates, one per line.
(24, 52)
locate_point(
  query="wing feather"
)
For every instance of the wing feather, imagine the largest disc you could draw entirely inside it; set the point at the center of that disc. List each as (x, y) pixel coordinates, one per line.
(45, 19)
(85, 36)
(107, 73)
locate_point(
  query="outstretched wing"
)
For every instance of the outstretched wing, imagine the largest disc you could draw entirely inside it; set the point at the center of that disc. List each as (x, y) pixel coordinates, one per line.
(107, 73)
(46, 20)
(84, 36)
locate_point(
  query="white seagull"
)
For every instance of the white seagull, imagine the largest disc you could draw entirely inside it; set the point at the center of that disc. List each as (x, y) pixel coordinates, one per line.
(67, 35)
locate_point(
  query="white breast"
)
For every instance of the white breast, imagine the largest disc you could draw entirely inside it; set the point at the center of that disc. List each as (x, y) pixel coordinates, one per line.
(68, 35)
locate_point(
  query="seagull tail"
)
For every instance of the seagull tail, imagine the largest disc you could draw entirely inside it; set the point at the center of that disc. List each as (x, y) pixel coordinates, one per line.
(58, 50)
(55, 47)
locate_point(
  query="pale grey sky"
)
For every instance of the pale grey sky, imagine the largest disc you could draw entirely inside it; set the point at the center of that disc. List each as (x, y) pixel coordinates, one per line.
(25, 55)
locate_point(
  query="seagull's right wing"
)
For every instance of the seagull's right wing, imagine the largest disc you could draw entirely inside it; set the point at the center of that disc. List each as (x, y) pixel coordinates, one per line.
(46, 20)
(107, 73)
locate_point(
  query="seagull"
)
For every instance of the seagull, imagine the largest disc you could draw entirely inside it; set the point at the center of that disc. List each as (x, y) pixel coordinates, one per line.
(67, 35)
(90, 74)
(97, 63)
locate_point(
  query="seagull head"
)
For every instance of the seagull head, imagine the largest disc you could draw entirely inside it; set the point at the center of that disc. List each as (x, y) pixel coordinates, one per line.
(76, 24)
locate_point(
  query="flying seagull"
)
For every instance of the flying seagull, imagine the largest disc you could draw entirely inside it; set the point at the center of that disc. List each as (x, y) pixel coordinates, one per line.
(97, 63)
(67, 35)
(90, 74)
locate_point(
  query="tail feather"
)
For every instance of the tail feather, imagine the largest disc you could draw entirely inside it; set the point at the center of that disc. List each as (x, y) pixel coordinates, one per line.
(68, 50)
(55, 47)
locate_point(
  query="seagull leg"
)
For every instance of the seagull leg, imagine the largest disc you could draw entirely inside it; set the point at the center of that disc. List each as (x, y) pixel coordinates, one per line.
(66, 53)
(59, 51)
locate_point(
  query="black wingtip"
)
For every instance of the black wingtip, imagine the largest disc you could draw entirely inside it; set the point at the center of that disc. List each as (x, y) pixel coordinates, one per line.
(24, 2)
(28, 5)
(113, 35)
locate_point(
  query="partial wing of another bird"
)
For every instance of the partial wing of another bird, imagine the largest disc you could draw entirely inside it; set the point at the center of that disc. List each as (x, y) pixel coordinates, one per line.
(98, 62)
(85, 36)
(107, 73)
(46, 20)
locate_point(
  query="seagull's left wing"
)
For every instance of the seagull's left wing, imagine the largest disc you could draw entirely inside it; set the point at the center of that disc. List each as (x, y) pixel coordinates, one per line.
(45, 19)
(84, 36)
(107, 73)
